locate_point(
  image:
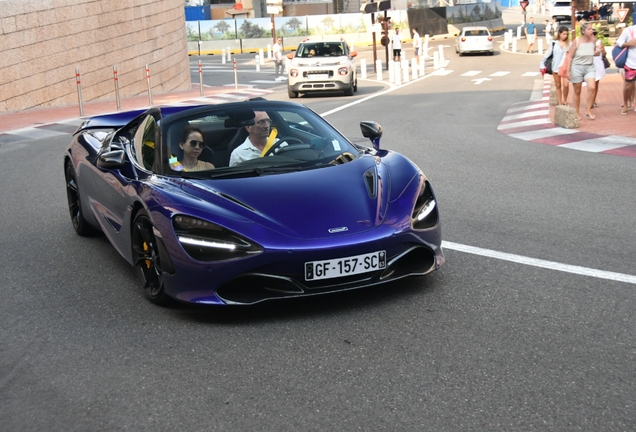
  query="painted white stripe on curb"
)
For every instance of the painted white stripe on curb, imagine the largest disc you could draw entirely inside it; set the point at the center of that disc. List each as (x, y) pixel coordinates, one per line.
(551, 265)
(529, 106)
(524, 123)
(526, 114)
(543, 133)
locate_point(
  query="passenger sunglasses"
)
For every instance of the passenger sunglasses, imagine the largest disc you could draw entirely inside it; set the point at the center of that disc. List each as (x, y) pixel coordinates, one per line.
(195, 143)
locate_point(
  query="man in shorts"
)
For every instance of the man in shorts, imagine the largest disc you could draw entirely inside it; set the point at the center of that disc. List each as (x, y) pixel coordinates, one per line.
(417, 45)
(531, 34)
(397, 45)
(628, 39)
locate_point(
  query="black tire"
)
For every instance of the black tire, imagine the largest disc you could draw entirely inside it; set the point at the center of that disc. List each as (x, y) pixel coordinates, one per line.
(349, 91)
(146, 259)
(292, 94)
(355, 84)
(74, 203)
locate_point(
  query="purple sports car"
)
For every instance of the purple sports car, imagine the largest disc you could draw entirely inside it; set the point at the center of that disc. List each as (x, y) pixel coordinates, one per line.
(249, 201)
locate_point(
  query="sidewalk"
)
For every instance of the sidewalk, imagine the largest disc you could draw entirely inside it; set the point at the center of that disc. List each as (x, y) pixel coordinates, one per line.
(42, 116)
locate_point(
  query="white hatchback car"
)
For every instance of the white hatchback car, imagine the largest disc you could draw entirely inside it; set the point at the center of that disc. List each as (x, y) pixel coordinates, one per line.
(474, 40)
(322, 66)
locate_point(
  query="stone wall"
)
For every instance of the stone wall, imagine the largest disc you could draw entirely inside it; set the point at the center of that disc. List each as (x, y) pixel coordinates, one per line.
(42, 42)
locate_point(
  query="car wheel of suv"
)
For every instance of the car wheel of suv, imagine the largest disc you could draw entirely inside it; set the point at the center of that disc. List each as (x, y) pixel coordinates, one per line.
(355, 85)
(292, 94)
(349, 91)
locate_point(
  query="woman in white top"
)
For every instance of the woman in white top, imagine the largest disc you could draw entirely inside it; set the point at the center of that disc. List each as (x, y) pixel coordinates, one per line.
(559, 48)
(581, 68)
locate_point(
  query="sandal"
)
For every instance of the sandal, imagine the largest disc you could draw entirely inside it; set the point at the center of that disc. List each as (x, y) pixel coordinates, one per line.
(590, 116)
(624, 113)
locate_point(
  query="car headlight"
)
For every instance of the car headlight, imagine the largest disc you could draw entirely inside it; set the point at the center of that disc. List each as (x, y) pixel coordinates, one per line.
(206, 241)
(425, 214)
(343, 71)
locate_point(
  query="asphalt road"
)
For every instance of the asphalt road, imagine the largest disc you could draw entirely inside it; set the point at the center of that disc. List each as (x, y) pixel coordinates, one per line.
(481, 344)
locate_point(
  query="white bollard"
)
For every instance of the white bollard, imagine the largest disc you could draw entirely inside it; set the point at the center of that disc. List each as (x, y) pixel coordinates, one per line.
(441, 54)
(436, 60)
(229, 54)
(258, 63)
(425, 49)
(363, 68)
(378, 69)
(396, 73)
(269, 51)
(391, 71)
(287, 61)
(405, 70)
(540, 46)
(422, 66)
(514, 44)
(414, 67)
(223, 56)
(519, 32)
(261, 58)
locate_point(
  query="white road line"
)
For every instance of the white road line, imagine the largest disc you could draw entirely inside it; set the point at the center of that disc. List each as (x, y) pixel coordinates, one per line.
(551, 265)
(526, 114)
(524, 124)
(499, 74)
(543, 133)
(471, 73)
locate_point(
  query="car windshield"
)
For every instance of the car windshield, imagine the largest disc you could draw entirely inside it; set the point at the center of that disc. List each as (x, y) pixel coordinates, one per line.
(476, 32)
(247, 139)
(321, 49)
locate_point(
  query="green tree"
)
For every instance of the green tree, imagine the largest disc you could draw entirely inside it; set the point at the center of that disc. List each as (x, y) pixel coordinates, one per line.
(294, 24)
(251, 31)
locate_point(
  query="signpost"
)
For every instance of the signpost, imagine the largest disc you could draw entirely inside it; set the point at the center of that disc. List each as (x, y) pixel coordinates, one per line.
(524, 4)
(622, 14)
(274, 7)
(372, 7)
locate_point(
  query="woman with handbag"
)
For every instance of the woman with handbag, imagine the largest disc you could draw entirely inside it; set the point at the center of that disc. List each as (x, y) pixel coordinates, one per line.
(555, 57)
(581, 68)
(600, 64)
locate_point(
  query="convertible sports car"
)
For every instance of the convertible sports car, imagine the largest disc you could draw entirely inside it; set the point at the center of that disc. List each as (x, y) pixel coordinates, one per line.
(312, 214)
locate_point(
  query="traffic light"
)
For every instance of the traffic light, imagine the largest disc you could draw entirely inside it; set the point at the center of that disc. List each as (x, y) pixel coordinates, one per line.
(369, 7)
(386, 27)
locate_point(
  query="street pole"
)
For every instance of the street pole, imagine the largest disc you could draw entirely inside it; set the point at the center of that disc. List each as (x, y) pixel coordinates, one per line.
(375, 54)
(273, 29)
(573, 19)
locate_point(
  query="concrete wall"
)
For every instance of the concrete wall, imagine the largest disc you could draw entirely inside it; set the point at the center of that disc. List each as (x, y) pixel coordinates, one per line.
(42, 42)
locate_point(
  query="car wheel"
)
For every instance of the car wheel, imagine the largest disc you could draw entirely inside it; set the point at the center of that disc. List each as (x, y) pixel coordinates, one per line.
(74, 204)
(355, 84)
(292, 94)
(146, 259)
(349, 91)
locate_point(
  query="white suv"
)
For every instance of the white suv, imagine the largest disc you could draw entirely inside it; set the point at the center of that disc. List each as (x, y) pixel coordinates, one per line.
(322, 66)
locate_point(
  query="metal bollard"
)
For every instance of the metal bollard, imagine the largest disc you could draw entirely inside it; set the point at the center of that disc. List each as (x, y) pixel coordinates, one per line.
(201, 77)
(79, 91)
(414, 67)
(363, 68)
(261, 57)
(378, 69)
(235, 76)
(223, 56)
(397, 74)
(116, 79)
(391, 71)
(258, 63)
(149, 86)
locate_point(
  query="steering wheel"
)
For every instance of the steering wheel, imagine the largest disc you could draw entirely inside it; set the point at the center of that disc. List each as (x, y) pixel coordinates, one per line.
(289, 140)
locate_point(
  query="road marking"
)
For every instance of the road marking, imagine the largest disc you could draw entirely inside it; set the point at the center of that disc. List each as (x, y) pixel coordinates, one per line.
(501, 73)
(471, 73)
(551, 265)
(531, 74)
(481, 80)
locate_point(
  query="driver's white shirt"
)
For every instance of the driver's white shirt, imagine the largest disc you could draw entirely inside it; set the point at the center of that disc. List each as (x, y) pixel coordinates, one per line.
(245, 151)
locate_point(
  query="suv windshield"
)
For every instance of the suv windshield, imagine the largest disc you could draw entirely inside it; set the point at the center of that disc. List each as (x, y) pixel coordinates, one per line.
(321, 49)
(247, 138)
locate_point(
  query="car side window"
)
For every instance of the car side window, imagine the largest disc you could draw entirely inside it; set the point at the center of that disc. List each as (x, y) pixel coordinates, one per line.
(143, 148)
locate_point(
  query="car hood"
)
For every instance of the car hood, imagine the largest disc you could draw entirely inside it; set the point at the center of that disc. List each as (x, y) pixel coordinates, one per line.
(320, 61)
(337, 200)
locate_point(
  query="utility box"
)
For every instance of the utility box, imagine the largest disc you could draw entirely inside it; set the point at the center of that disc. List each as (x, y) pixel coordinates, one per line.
(197, 13)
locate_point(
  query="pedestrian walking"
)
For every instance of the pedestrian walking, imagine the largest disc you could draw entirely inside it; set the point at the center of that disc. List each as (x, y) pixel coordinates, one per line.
(581, 67)
(531, 34)
(548, 32)
(397, 45)
(277, 51)
(559, 49)
(599, 66)
(627, 39)
(417, 45)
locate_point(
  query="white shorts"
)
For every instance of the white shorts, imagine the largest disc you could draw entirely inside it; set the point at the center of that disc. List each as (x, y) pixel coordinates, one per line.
(531, 38)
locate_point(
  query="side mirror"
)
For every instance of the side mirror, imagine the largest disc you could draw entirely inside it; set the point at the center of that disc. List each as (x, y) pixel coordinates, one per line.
(353, 53)
(290, 56)
(113, 159)
(373, 131)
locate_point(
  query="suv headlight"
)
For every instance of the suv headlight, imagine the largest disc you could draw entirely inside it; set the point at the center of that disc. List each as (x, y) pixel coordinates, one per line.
(206, 241)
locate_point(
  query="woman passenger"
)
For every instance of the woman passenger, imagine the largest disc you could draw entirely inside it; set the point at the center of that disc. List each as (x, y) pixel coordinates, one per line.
(192, 144)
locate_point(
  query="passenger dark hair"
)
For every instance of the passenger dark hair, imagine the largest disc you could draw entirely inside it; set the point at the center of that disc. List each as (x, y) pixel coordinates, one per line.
(183, 136)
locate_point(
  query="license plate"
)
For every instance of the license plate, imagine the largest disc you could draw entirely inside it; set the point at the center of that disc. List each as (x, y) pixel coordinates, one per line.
(318, 76)
(327, 269)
